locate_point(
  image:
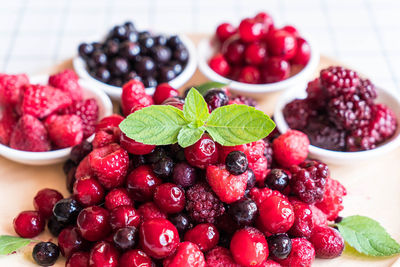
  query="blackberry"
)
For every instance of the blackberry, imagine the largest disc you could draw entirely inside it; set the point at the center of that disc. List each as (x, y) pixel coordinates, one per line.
(245, 100)
(316, 95)
(366, 90)
(308, 180)
(339, 81)
(360, 139)
(296, 113)
(268, 153)
(202, 204)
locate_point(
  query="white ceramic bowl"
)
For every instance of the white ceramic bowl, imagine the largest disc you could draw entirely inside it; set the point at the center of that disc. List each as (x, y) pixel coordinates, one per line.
(115, 92)
(206, 50)
(336, 157)
(56, 156)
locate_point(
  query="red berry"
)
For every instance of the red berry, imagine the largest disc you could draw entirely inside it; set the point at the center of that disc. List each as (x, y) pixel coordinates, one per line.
(327, 241)
(303, 220)
(219, 64)
(70, 241)
(109, 123)
(255, 53)
(88, 191)
(275, 69)
(205, 235)
(88, 111)
(135, 258)
(291, 148)
(78, 259)
(234, 51)
(103, 254)
(203, 153)
(302, 254)
(123, 216)
(331, 203)
(220, 257)
(270, 263)
(64, 130)
(110, 165)
(67, 81)
(29, 224)
(250, 30)
(266, 20)
(249, 74)
(187, 255)
(169, 198)
(224, 31)
(11, 88)
(150, 211)
(133, 93)
(258, 195)
(292, 30)
(158, 238)
(249, 247)
(276, 214)
(134, 147)
(318, 216)
(282, 44)
(104, 138)
(162, 92)
(84, 169)
(93, 223)
(141, 183)
(45, 200)
(117, 197)
(8, 120)
(303, 53)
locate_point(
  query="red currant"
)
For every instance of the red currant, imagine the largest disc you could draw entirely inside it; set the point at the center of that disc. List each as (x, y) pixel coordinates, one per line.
(250, 30)
(219, 64)
(224, 31)
(275, 69)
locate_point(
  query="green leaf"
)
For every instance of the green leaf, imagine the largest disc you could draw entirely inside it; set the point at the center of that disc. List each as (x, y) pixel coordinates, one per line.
(188, 136)
(9, 244)
(154, 125)
(203, 88)
(367, 236)
(195, 108)
(238, 124)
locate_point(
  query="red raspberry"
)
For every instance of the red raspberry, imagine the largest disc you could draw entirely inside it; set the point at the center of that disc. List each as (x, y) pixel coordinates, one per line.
(88, 191)
(220, 257)
(29, 135)
(169, 198)
(133, 93)
(258, 195)
(117, 197)
(67, 81)
(187, 255)
(266, 20)
(103, 254)
(124, 216)
(42, 100)
(162, 92)
(275, 69)
(150, 211)
(282, 44)
(135, 258)
(64, 130)
(318, 216)
(224, 31)
(205, 235)
(270, 263)
(70, 241)
(8, 120)
(109, 123)
(141, 183)
(302, 254)
(303, 53)
(203, 153)
(249, 247)
(255, 53)
(249, 74)
(291, 148)
(327, 241)
(134, 147)
(303, 220)
(93, 223)
(104, 138)
(331, 203)
(88, 111)
(45, 200)
(219, 64)
(78, 259)
(276, 214)
(250, 30)
(228, 187)
(11, 88)
(110, 165)
(29, 224)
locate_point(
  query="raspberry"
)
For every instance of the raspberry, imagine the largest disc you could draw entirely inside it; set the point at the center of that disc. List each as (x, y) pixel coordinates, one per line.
(150, 211)
(339, 81)
(202, 204)
(84, 169)
(303, 220)
(67, 81)
(302, 254)
(133, 93)
(88, 111)
(276, 214)
(366, 90)
(270, 263)
(244, 100)
(29, 135)
(318, 216)
(327, 241)
(331, 203)
(11, 88)
(65, 130)
(308, 181)
(291, 148)
(220, 257)
(205, 236)
(8, 120)
(297, 113)
(187, 254)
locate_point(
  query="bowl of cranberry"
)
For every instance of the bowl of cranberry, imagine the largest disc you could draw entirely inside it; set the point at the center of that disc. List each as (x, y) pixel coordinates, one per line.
(126, 53)
(42, 117)
(256, 57)
(346, 117)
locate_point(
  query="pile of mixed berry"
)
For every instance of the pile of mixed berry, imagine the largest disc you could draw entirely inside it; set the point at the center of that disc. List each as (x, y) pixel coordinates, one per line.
(127, 53)
(42, 117)
(339, 112)
(132, 204)
(257, 52)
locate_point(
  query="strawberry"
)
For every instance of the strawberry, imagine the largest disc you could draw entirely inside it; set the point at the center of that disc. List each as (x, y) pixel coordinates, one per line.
(228, 187)
(88, 111)
(8, 121)
(187, 254)
(291, 148)
(133, 93)
(220, 257)
(29, 135)
(65, 130)
(41, 100)
(11, 88)
(67, 81)
(331, 203)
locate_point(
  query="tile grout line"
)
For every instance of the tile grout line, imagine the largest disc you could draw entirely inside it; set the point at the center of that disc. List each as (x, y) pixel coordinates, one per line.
(60, 35)
(330, 27)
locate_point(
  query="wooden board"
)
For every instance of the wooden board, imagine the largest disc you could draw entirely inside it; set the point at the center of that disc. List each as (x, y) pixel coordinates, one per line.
(372, 191)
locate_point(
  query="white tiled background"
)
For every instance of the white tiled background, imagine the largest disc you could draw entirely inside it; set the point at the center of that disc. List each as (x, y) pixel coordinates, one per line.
(365, 34)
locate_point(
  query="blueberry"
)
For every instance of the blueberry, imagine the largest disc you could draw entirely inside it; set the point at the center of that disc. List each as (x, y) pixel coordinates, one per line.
(119, 66)
(182, 55)
(66, 210)
(160, 40)
(161, 54)
(125, 238)
(129, 26)
(55, 227)
(99, 58)
(156, 155)
(251, 180)
(102, 74)
(85, 50)
(177, 67)
(184, 174)
(132, 36)
(149, 81)
(176, 151)
(45, 253)
(118, 32)
(181, 222)
(116, 81)
(243, 212)
(166, 74)
(216, 98)
(279, 245)
(146, 42)
(174, 41)
(111, 48)
(145, 66)
(132, 75)
(277, 179)
(163, 168)
(129, 50)
(236, 162)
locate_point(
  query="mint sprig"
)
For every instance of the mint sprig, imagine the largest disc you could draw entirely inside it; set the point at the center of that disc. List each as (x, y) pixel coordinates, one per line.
(10, 244)
(228, 125)
(367, 236)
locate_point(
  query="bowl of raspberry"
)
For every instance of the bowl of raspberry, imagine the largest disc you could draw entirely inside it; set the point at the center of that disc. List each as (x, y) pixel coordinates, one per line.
(126, 53)
(43, 117)
(346, 117)
(257, 57)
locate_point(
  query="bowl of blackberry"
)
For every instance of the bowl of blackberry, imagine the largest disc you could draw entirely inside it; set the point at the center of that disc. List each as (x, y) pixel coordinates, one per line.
(127, 53)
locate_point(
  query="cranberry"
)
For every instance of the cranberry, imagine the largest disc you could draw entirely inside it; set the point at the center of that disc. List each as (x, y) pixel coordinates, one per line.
(103, 254)
(292, 30)
(234, 52)
(276, 214)
(169, 198)
(216, 98)
(219, 64)
(70, 241)
(141, 183)
(184, 175)
(203, 153)
(249, 74)
(224, 31)
(45, 253)
(88, 191)
(162, 92)
(303, 53)
(134, 147)
(282, 44)
(275, 70)
(249, 247)
(255, 53)
(150, 211)
(124, 216)
(29, 224)
(78, 259)
(265, 19)
(204, 235)
(93, 223)
(125, 238)
(187, 255)
(117, 197)
(135, 258)
(158, 238)
(250, 30)
(45, 200)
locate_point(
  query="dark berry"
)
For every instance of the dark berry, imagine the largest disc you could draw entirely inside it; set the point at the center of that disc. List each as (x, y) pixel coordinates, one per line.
(176, 67)
(45, 253)
(215, 98)
(182, 55)
(125, 238)
(181, 222)
(243, 211)
(70, 241)
(68, 165)
(55, 227)
(66, 210)
(277, 179)
(184, 174)
(236, 162)
(146, 42)
(85, 50)
(145, 66)
(149, 81)
(119, 66)
(297, 113)
(174, 41)
(251, 180)
(70, 179)
(163, 168)
(80, 151)
(99, 58)
(102, 74)
(339, 81)
(166, 74)
(129, 26)
(279, 245)
(156, 155)
(111, 48)
(161, 54)
(118, 32)
(160, 40)
(129, 50)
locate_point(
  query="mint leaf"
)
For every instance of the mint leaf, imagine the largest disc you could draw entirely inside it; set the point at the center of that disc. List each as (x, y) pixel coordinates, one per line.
(238, 124)
(9, 244)
(195, 108)
(203, 88)
(367, 236)
(188, 136)
(154, 125)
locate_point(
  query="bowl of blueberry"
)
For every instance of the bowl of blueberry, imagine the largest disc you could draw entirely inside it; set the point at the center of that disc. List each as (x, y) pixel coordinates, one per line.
(126, 53)
(346, 117)
(257, 57)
